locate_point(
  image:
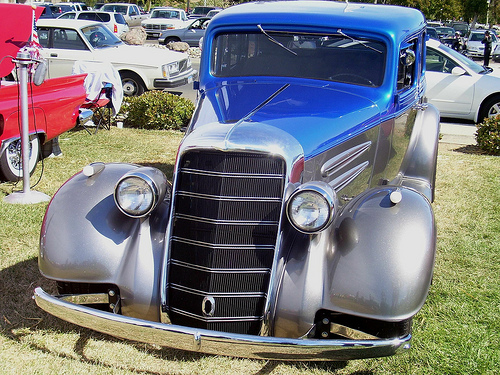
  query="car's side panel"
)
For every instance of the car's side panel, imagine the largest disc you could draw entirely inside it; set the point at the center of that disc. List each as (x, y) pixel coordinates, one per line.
(451, 93)
(56, 107)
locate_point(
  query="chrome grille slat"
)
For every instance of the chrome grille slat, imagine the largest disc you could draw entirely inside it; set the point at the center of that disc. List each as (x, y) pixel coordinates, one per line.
(226, 212)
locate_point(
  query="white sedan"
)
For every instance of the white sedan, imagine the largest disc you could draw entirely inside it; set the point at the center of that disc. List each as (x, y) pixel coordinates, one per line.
(141, 68)
(459, 87)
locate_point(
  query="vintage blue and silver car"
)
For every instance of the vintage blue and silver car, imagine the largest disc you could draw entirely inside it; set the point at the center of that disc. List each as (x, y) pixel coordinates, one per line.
(298, 225)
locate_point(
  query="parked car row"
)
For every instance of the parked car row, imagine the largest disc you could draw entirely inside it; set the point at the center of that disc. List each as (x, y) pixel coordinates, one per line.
(164, 18)
(469, 43)
(112, 20)
(141, 67)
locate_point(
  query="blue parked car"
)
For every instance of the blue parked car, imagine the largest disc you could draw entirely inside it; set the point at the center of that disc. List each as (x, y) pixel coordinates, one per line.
(298, 225)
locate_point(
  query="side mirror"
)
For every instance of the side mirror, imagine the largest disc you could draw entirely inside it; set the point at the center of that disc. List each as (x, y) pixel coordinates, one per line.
(458, 71)
(40, 73)
(407, 57)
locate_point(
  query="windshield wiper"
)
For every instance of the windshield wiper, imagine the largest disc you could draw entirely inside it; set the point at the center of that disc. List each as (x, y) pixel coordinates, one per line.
(339, 31)
(275, 41)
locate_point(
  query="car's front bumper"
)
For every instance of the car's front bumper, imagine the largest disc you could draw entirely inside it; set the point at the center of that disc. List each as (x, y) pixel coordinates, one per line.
(212, 342)
(184, 79)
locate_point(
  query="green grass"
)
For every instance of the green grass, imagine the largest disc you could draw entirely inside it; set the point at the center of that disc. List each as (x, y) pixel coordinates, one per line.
(456, 332)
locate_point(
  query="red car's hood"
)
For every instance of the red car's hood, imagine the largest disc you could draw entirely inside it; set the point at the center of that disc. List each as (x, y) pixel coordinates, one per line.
(15, 30)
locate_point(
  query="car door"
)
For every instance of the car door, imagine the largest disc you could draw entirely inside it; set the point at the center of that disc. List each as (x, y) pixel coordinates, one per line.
(61, 48)
(195, 32)
(135, 16)
(450, 90)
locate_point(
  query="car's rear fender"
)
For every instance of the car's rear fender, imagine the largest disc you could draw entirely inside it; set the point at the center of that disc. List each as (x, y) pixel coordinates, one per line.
(85, 238)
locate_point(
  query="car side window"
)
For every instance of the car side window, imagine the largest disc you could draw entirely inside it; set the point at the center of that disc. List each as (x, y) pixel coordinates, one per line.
(68, 39)
(406, 68)
(437, 62)
(43, 37)
(68, 16)
(88, 16)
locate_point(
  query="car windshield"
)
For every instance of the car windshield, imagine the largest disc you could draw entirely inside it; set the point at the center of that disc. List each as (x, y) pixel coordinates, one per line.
(101, 17)
(100, 36)
(464, 60)
(115, 8)
(165, 14)
(477, 37)
(445, 30)
(331, 57)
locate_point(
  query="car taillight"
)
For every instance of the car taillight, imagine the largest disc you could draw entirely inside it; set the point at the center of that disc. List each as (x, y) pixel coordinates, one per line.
(115, 29)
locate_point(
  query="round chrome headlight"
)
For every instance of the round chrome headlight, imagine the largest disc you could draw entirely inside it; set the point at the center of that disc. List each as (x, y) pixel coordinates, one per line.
(138, 192)
(311, 208)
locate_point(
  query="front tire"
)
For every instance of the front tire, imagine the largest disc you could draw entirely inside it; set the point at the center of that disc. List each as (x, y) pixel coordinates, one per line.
(490, 108)
(171, 39)
(132, 84)
(11, 166)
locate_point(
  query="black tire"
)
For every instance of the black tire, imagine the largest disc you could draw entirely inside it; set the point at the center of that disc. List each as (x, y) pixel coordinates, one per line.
(132, 84)
(171, 39)
(11, 167)
(490, 108)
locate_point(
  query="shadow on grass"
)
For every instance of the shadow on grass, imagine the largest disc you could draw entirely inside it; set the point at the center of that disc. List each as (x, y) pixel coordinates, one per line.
(471, 149)
(20, 317)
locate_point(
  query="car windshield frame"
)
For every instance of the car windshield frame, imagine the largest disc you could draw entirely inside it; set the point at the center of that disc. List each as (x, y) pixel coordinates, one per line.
(110, 39)
(333, 57)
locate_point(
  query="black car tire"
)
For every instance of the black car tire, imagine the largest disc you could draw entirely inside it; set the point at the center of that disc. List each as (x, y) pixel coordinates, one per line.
(171, 39)
(11, 162)
(132, 84)
(490, 108)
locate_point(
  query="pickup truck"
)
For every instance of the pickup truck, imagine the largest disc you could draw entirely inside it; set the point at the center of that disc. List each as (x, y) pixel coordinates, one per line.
(131, 12)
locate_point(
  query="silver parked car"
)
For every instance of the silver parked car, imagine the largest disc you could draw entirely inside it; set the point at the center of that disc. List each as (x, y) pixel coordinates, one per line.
(475, 47)
(191, 34)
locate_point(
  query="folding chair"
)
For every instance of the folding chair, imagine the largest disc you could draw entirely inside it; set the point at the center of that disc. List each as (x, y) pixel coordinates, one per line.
(104, 93)
(101, 106)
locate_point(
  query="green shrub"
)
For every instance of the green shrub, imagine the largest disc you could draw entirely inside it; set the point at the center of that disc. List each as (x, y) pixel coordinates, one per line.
(156, 110)
(488, 135)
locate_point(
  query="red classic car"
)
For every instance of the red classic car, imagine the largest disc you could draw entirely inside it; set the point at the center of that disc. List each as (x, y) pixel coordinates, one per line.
(53, 106)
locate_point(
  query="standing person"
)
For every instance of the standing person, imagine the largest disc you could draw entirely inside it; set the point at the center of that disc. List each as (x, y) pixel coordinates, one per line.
(457, 41)
(487, 47)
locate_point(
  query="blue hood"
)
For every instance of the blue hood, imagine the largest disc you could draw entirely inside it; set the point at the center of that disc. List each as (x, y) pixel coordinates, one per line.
(317, 117)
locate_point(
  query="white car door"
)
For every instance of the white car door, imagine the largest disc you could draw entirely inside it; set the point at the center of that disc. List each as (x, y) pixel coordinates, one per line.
(61, 48)
(449, 87)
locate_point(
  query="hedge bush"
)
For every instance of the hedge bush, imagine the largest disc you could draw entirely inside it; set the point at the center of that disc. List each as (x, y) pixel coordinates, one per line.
(488, 135)
(156, 110)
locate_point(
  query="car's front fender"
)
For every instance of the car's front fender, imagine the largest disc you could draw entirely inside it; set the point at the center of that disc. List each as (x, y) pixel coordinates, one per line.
(85, 238)
(375, 261)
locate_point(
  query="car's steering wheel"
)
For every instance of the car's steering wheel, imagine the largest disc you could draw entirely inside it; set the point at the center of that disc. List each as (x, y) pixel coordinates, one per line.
(96, 37)
(355, 78)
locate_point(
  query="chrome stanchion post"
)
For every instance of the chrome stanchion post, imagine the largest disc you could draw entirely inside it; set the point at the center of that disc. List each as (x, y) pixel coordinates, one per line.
(23, 59)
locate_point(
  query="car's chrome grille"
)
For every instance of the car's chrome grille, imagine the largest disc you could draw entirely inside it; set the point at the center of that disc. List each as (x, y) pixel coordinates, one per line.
(153, 27)
(226, 217)
(183, 67)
